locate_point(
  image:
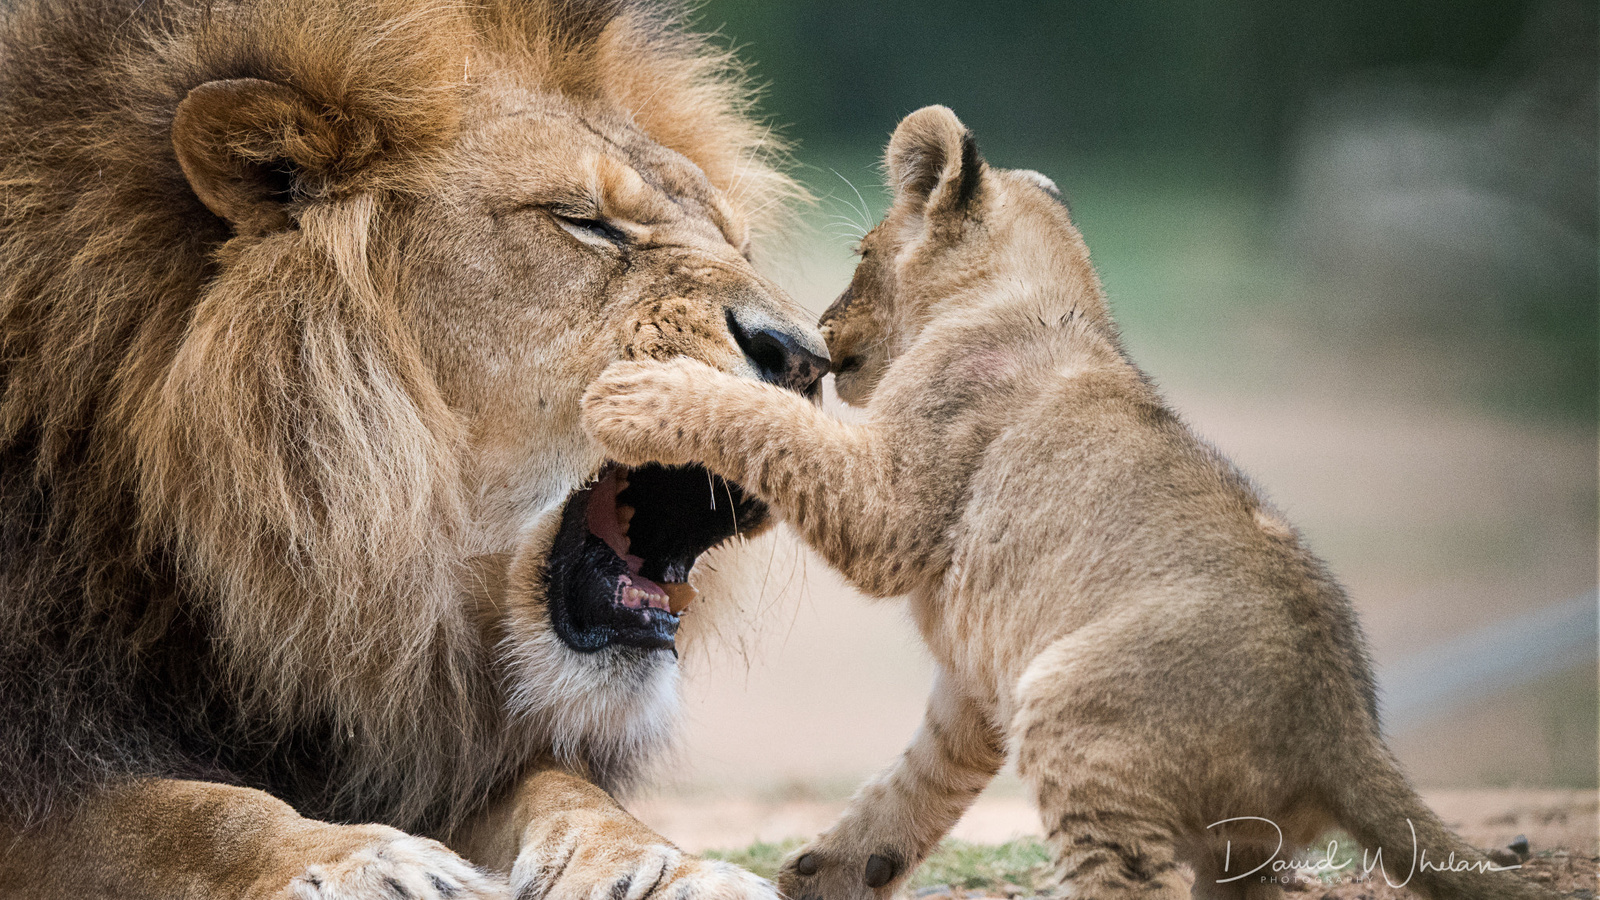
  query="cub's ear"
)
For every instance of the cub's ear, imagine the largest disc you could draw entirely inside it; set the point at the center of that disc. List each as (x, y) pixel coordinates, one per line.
(249, 147)
(933, 161)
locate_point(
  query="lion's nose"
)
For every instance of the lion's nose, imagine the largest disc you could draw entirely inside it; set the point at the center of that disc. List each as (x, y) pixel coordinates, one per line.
(789, 358)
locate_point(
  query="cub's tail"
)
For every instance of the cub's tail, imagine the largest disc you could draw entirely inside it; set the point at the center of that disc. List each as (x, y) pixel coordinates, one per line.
(1373, 801)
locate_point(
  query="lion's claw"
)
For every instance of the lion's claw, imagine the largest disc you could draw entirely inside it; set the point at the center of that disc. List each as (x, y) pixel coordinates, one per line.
(397, 865)
(650, 872)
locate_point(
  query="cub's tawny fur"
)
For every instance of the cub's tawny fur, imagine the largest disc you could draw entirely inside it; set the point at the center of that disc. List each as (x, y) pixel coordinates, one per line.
(1106, 596)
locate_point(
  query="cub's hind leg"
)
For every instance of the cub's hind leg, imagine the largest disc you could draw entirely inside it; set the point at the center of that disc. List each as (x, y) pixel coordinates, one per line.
(1098, 780)
(1114, 850)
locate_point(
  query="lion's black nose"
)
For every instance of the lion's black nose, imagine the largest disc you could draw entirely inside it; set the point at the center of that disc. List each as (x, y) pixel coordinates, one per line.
(789, 359)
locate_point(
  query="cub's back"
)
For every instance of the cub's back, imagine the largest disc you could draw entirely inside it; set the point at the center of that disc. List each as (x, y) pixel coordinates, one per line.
(1097, 499)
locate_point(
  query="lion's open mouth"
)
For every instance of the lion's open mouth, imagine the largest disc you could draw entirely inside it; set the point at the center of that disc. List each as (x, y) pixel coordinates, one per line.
(619, 568)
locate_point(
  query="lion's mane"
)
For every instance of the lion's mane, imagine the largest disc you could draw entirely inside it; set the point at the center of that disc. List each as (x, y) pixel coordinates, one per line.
(229, 496)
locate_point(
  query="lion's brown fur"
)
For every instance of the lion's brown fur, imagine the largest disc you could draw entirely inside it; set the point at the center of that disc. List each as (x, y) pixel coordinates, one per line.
(229, 505)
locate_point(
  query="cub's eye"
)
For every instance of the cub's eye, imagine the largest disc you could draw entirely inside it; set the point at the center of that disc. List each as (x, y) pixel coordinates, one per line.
(591, 231)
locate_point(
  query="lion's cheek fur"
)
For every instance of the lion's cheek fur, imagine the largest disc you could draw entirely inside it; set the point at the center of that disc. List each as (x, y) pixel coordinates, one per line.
(609, 713)
(516, 491)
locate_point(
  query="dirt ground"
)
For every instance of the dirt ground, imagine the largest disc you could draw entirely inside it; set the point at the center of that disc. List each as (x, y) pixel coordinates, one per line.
(1560, 827)
(1570, 875)
(1488, 818)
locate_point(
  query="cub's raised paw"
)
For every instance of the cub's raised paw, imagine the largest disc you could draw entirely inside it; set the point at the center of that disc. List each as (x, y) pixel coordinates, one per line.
(821, 873)
(396, 866)
(639, 411)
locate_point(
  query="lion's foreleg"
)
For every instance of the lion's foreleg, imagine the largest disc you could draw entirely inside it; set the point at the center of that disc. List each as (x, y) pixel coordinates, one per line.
(563, 838)
(161, 838)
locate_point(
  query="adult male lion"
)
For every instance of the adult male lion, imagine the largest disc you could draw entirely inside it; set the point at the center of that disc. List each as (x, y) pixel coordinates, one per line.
(298, 525)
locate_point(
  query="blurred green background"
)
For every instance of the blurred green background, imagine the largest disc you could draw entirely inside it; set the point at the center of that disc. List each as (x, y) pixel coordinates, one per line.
(1425, 170)
(1355, 245)
(1222, 79)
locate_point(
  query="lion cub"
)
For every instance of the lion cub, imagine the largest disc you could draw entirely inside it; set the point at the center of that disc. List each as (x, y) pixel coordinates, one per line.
(1180, 679)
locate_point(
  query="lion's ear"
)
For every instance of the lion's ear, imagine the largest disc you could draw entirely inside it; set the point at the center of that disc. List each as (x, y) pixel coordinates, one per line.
(933, 161)
(249, 147)
(579, 22)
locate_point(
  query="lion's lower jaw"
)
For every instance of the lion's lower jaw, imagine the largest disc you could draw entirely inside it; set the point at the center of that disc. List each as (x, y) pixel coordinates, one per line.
(610, 713)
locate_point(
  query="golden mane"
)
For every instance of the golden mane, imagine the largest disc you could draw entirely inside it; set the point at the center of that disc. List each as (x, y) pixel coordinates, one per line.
(225, 469)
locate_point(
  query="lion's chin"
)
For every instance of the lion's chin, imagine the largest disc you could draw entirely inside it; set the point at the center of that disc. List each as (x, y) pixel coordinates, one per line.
(618, 569)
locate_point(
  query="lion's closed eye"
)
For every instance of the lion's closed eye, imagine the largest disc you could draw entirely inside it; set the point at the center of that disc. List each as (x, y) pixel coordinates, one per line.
(590, 230)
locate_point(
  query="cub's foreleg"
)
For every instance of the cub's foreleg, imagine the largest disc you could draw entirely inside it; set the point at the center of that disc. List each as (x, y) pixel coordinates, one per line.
(834, 482)
(895, 820)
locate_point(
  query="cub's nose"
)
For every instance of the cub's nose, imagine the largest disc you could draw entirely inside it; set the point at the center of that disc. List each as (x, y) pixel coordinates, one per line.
(789, 357)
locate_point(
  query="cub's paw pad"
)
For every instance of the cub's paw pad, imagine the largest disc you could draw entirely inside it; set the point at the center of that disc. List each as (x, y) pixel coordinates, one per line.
(397, 867)
(880, 870)
(815, 874)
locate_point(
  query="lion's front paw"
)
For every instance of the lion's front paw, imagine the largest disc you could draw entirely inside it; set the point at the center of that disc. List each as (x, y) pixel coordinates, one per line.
(567, 869)
(639, 411)
(708, 879)
(823, 872)
(394, 864)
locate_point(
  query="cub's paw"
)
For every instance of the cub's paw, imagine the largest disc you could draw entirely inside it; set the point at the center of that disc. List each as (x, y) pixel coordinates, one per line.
(392, 866)
(821, 872)
(639, 411)
(597, 869)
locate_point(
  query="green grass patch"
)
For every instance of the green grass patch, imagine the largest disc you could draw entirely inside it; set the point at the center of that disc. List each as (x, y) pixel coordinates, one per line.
(1022, 863)
(996, 868)
(1020, 867)
(761, 857)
